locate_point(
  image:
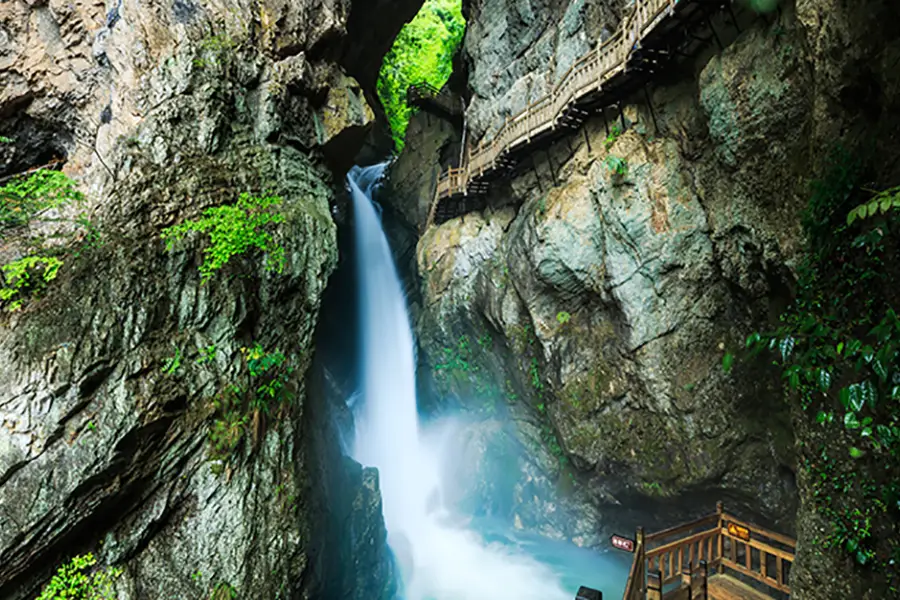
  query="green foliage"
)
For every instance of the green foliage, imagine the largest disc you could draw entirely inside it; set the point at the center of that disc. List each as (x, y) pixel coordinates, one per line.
(173, 363)
(213, 49)
(727, 361)
(422, 52)
(233, 230)
(6, 140)
(80, 580)
(614, 134)
(880, 203)
(617, 166)
(207, 354)
(535, 372)
(224, 591)
(31, 198)
(563, 317)
(839, 355)
(240, 408)
(28, 274)
(461, 369)
(26, 197)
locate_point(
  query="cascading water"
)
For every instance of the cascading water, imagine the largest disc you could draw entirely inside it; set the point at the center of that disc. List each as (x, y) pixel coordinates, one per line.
(438, 561)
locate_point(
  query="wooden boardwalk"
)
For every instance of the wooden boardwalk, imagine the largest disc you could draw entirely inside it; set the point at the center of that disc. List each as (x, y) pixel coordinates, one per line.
(651, 35)
(713, 558)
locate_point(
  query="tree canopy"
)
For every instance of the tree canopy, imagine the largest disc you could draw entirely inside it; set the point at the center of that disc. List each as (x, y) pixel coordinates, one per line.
(423, 51)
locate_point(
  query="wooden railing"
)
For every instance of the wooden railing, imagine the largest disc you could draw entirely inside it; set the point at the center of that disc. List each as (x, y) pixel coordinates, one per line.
(771, 548)
(718, 542)
(587, 74)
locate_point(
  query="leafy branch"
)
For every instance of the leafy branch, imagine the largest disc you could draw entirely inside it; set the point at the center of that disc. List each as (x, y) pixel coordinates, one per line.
(233, 230)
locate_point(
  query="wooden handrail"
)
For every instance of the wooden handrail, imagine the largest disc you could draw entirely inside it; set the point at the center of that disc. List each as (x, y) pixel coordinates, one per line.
(634, 587)
(587, 73)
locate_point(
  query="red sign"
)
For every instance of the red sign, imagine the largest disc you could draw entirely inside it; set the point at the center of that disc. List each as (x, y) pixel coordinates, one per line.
(622, 543)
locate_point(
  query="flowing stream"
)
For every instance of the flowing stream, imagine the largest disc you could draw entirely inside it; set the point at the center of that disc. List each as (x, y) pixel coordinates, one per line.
(439, 559)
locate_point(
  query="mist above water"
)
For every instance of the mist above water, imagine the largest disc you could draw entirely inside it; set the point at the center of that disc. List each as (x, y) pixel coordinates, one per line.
(440, 556)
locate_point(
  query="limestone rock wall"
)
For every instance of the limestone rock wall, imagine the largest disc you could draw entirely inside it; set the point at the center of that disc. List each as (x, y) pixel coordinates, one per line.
(163, 109)
(516, 50)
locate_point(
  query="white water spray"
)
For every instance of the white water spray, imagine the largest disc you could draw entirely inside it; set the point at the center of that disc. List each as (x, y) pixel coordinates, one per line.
(438, 561)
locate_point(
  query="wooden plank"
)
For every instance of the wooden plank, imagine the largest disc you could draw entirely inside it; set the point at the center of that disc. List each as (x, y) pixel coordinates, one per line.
(750, 573)
(725, 587)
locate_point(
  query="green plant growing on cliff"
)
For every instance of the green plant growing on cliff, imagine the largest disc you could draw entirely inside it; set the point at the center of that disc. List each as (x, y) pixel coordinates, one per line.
(879, 204)
(37, 197)
(617, 166)
(422, 52)
(462, 370)
(172, 363)
(241, 408)
(31, 196)
(6, 140)
(79, 579)
(234, 230)
(213, 49)
(613, 135)
(535, 372)
(29, 274)
(839, 355)
(563, 317)
(224, 591)
(207, 355)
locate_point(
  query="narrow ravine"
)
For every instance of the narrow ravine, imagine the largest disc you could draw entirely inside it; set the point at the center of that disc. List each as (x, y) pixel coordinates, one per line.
(442, 556)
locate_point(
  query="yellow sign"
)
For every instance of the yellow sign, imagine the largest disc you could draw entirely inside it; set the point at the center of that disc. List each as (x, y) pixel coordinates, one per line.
(739, 532)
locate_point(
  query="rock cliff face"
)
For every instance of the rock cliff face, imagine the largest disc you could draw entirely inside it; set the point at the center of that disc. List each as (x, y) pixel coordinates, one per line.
(162, 110)
(595, 308)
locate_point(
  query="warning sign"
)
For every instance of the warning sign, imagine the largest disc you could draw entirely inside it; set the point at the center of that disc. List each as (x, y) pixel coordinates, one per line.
(622, 543)
(739, 532)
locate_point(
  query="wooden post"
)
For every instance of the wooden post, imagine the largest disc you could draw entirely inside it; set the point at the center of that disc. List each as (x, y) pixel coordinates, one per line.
(720, 510)
(654, 586)
(550, 163)
(704, 585)
(641, 586)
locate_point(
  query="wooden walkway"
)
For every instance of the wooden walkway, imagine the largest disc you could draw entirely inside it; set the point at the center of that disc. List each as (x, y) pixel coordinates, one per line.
(651, 35)
(712, 558)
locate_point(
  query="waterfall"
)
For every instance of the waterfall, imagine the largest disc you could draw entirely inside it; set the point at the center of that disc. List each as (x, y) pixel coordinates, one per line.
(437, 561)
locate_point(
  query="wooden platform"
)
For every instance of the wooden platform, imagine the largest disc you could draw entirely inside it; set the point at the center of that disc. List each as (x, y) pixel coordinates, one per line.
(726, 587)
(702, 560)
